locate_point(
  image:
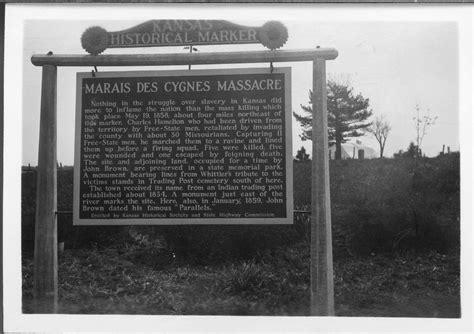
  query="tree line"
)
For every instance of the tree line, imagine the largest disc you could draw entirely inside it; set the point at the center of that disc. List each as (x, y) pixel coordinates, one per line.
(350, 116)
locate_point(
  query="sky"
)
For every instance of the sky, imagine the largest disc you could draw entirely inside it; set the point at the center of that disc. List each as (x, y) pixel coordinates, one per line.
(396, 65)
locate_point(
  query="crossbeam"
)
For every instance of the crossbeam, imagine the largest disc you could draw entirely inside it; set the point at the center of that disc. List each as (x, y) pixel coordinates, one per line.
(186, 58)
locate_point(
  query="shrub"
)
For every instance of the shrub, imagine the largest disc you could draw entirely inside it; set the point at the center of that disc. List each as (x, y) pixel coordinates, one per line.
(392, 205)
(248, 277)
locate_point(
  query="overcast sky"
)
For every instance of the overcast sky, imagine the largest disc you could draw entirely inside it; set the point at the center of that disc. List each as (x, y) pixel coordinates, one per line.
(397, 65)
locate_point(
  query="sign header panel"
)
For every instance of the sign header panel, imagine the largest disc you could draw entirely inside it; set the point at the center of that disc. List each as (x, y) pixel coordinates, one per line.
(272, 35)
(184, 147)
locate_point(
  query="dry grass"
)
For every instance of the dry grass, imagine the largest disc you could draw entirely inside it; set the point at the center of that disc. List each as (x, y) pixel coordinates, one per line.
(102, 281)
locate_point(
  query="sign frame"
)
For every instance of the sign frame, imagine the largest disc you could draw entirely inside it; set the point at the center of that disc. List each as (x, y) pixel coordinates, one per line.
(45, 287)
(187, 221)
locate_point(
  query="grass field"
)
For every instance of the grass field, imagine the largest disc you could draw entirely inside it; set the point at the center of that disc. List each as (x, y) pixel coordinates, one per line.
(108, 281)
(396, 252)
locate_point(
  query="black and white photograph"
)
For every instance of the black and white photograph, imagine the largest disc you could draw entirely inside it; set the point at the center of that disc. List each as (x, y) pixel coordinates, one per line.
(237, 168)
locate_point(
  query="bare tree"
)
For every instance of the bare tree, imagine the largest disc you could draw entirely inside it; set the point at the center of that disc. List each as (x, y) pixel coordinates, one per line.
(421, 125)
(380, 129)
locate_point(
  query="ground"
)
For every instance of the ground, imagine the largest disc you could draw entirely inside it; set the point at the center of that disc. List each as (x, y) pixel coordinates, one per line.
(101, 281)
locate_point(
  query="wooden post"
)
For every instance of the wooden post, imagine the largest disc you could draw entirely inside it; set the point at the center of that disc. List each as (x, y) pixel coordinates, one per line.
(322, 284)
(46, 252)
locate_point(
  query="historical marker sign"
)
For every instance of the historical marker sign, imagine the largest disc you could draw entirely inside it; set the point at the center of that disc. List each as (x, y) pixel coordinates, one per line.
(184, 147)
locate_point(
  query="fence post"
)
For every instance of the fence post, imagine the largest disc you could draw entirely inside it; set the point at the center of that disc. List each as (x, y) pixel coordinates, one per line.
(322, 284)
(45, 289)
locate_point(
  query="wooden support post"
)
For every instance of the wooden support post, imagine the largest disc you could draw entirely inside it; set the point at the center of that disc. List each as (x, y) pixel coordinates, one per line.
(322, 284)
(46, 252)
